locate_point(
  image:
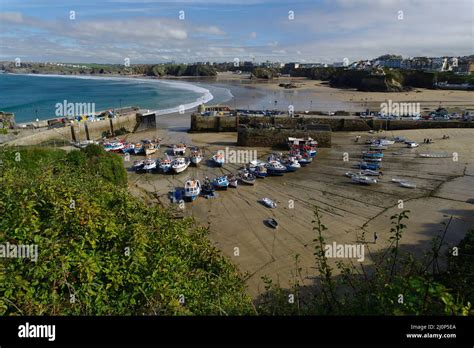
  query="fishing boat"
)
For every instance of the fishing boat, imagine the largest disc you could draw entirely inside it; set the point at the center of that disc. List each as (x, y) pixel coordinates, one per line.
(407, 184)
(371, 159)
(365, 180)
(150, 148)
(114, 146)
(220, 183)
(272, 222)
(375, 154)
(149, 165)
(291, 164)
(207, 187)
(180, 164)
(233, 180)
(275, 168)
(138, 148)
(164, 165)
(248, 178)
(179, 149)
(138, 165)
(268, 202)
(218, 159)
(259, 171)
(196, 156)
(305, 160)
(371, 166)
(192, 189)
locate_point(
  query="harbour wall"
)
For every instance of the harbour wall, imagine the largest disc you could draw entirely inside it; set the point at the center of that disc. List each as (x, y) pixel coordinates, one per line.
(230, 123)
(95, 130)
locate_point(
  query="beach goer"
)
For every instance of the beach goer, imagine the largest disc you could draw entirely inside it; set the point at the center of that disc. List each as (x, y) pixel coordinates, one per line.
(375, 237)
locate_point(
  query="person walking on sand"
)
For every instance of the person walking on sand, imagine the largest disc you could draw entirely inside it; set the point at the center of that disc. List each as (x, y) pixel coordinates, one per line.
(375, 237)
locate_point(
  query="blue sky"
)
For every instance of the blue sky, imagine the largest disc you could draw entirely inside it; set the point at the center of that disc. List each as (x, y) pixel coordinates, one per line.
(148, 31)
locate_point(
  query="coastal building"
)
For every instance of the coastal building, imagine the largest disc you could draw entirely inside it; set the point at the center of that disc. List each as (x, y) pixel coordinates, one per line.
(292, 66)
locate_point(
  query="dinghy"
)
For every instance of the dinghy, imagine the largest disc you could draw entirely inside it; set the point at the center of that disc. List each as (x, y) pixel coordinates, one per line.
(268, 202)
(360, 179)
(407, 184)
(247, 178)
(233, 180)
(272, 222)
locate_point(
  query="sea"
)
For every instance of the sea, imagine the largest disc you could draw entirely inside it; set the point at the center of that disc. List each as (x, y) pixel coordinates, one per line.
(35, 96)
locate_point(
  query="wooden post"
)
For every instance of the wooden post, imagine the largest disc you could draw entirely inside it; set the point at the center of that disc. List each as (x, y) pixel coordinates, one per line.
(111, 127)
(86, 128)
(73, 133)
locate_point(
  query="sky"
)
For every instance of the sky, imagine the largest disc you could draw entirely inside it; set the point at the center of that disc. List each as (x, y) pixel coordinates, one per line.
(154, 31)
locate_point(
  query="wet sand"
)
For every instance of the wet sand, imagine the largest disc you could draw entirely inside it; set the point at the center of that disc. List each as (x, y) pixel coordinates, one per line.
(236, 219)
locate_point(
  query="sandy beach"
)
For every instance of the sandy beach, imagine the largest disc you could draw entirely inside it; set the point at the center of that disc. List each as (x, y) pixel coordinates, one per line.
(445, 189)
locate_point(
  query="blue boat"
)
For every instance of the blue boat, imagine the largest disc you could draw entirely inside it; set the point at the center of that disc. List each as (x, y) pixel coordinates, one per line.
(275, 168)
(371, 166)
(220, 183)
(373, 154)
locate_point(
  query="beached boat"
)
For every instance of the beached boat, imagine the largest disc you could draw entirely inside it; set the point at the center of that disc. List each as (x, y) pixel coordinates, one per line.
(248, 178)
(114, 146)
(151, 148)
(412, 144)
(207, 187)
(435, 155)
(218, 159)
(164, 164)
(196, 156)
(407, 184)
(268, 202)
(179, 149)
(149, 165)
(220, 183)
(371, 159)
(377, 148)
(305, 160)
(275, 168)
(272, 222)
(138, 148)
(350, 174)
(371, 166)
(384, 142)
(291, 164)
(233, 180)
(83, 143)
(365, 180)
(192, 189)
(369, 172)
(373, 154)
(180, 164)
(138, 165)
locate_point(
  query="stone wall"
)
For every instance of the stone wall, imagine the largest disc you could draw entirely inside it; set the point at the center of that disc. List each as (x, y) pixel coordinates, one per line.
(95, 131)
(229, 123)
(277, 138)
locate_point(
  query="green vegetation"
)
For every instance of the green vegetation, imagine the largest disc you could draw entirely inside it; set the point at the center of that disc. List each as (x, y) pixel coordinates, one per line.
(264, 73)
(396, 284)
(102, 251)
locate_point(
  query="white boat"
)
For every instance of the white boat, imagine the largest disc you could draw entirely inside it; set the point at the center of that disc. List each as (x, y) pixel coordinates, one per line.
(275, 168)
(397, 180)
(165, 165)
(384, 142)
(407, 184)
(248, 178)
(350, 174)
(218, 159)
(435, 155)
(192, 189)
(369, 172)
(179, 149)
(412, 144)
(137, 165)
(149, 164)
(150, 148)
(196, 156)
(361, 179)
(180, 164)
(233, 180)
(268, 202)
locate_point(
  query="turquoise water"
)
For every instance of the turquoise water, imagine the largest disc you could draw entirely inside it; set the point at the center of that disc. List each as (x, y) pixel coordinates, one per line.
(35, 96)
